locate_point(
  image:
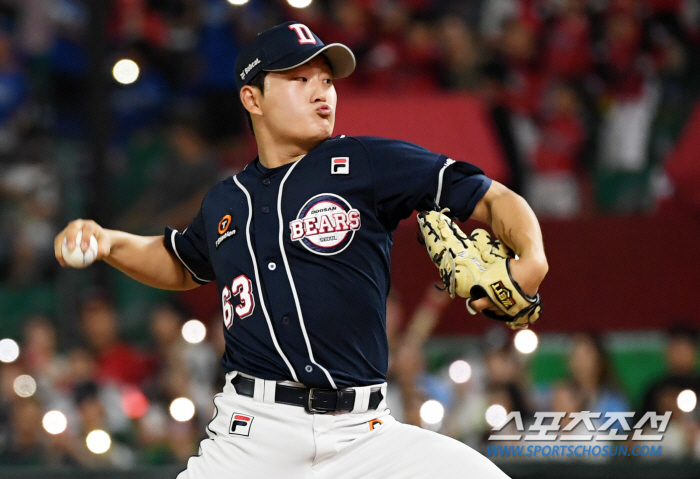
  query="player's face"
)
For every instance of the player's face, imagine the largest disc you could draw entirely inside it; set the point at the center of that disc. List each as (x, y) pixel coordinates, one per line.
(299, 104)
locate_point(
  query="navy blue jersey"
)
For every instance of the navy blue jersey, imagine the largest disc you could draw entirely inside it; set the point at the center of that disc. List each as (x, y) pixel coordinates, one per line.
(301, 254)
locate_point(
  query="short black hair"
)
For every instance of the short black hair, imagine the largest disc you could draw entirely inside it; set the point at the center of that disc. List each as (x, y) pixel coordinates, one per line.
(257, 81)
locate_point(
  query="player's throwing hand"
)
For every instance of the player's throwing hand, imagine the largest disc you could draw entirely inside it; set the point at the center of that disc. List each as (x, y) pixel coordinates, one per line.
(89, 228)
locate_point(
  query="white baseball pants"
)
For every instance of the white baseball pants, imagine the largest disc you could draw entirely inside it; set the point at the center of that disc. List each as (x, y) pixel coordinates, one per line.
(255, 438)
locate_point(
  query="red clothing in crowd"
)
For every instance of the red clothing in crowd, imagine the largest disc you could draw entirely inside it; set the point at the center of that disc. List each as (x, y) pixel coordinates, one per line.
(568, 53)
(132, 20)
(123, 364)
(623, 40)
(524, 90)
(560, 144)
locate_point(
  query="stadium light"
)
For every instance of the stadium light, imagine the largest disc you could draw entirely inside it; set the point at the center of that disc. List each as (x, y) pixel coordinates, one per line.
(432, 411)
(460, 371)
(495, 414)
(125, 71)
(687, 400)
(299, 3)
(525, 341)
(237, 2)
(54, 422)
(182, 409)
(98, 441)
(194, 331)
(134, 403)
(24, 385)
(9, 350)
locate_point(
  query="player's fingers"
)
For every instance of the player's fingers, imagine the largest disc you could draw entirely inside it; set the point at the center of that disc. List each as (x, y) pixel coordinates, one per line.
(471, 310)
(90, 228)
(71, 232)
(68, 235)
(104, 242)
(481, 304)
(57, 247)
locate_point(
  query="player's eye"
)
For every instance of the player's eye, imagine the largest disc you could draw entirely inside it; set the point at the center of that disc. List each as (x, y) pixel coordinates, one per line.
(328, 81)
(302, 79)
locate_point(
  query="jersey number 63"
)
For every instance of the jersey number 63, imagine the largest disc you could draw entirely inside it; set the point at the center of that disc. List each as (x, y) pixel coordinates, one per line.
(242, 287)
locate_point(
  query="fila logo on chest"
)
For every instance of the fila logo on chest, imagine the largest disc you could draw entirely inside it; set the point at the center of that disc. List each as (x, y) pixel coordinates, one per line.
(340, 165)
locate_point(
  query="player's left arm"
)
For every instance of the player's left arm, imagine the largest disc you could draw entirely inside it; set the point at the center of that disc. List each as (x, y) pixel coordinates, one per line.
(514, 222)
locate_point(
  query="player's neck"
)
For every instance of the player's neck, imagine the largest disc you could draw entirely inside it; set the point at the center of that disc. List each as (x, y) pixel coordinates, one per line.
(274, 161)
(275, 154)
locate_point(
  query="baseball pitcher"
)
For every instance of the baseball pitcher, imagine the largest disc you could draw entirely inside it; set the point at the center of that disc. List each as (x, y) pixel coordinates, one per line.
(299, 245)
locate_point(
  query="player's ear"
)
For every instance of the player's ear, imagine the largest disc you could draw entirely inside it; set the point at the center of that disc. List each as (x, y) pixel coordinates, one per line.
(250, 97)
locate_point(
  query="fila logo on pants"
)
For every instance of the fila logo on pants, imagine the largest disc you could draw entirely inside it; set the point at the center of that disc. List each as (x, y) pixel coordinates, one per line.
(240, 424)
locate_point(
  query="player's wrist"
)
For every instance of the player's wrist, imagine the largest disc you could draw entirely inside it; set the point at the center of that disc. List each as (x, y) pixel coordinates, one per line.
(529, 273)
(110, 242)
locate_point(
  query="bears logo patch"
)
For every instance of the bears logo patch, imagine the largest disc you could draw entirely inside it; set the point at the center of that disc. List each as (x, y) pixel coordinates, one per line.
(325, 225)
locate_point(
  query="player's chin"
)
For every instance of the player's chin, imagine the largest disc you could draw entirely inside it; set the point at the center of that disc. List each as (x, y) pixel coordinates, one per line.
(324, 128)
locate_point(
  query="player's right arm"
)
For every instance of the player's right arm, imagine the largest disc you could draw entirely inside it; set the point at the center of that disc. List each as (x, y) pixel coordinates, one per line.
(144, 258)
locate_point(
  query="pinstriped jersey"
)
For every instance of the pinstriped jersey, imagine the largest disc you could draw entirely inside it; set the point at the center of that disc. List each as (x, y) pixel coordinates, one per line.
(301, 254)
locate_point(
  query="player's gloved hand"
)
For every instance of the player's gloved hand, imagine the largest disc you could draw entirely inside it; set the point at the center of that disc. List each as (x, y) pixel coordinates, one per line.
(477, 266)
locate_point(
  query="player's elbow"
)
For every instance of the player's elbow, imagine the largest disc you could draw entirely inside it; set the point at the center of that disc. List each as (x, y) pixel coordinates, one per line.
(540, 266)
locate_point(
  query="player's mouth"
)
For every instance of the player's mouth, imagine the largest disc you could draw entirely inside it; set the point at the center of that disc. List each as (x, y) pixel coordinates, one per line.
(324, 111)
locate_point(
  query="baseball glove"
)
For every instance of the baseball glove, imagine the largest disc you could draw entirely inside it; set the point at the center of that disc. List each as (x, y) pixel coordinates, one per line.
(475, 266)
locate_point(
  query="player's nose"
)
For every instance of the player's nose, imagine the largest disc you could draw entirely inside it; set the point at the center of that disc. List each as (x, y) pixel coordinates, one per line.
(320, 92)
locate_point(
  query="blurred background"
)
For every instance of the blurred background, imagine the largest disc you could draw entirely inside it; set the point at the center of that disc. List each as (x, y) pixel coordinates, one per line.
(126, 111)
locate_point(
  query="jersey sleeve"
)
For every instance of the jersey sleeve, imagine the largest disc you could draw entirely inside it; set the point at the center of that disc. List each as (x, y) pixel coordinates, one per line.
(191, 249)
(408, 178)
(463, 185)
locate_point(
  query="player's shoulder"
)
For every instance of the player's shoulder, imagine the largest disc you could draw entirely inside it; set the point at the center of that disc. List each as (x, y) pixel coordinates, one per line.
(373, 143)
(219, 190)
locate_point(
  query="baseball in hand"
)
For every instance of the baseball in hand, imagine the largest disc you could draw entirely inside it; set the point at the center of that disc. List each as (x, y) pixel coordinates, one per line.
(75, 257)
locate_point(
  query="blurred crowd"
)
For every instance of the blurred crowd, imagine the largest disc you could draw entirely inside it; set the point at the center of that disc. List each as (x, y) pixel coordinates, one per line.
(586, 98)
(130, 389)
(478, 388)
(106, 383)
